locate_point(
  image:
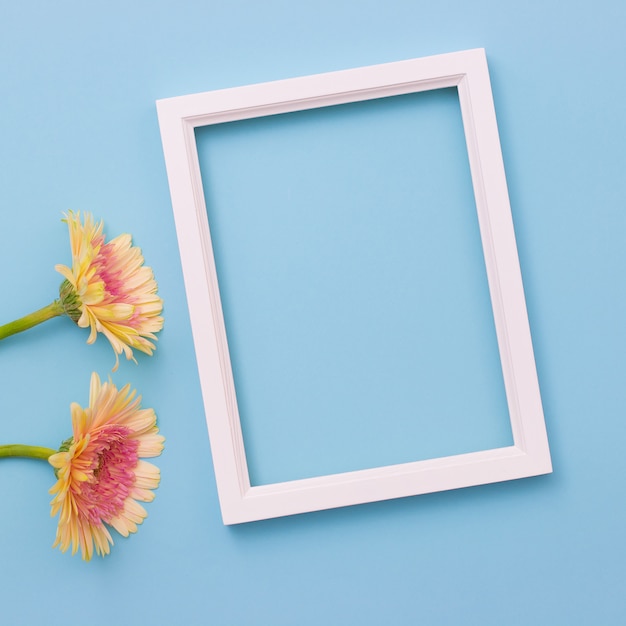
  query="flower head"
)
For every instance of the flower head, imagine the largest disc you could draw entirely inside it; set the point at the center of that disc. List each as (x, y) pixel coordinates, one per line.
(108, 288)
(101, 477)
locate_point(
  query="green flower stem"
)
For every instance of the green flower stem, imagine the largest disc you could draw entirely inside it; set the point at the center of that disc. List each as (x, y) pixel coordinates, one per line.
(31, 452)
(24, 323)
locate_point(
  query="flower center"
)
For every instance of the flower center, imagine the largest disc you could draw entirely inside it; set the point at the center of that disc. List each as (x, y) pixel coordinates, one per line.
(112, 273)
(112, 467)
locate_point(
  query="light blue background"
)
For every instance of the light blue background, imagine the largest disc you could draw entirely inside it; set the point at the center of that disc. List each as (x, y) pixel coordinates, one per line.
(79, 130)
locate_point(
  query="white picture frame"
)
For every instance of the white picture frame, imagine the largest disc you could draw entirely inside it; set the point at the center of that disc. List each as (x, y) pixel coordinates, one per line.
(528, 456)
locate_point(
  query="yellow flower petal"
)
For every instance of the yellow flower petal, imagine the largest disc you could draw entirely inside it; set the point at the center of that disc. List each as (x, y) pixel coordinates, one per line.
(116, 292)
(102, 477)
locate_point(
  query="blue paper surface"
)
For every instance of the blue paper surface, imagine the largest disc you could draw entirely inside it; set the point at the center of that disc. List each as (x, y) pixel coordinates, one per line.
(78, 84)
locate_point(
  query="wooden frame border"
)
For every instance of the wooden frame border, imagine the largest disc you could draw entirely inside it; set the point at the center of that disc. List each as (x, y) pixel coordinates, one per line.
(528, 456)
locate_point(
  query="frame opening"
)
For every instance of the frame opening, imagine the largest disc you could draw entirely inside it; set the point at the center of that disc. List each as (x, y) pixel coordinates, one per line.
(353, 286)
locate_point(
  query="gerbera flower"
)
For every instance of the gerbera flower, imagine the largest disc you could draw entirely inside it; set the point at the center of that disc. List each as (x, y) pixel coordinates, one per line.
(107, 289)
(101, 474)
